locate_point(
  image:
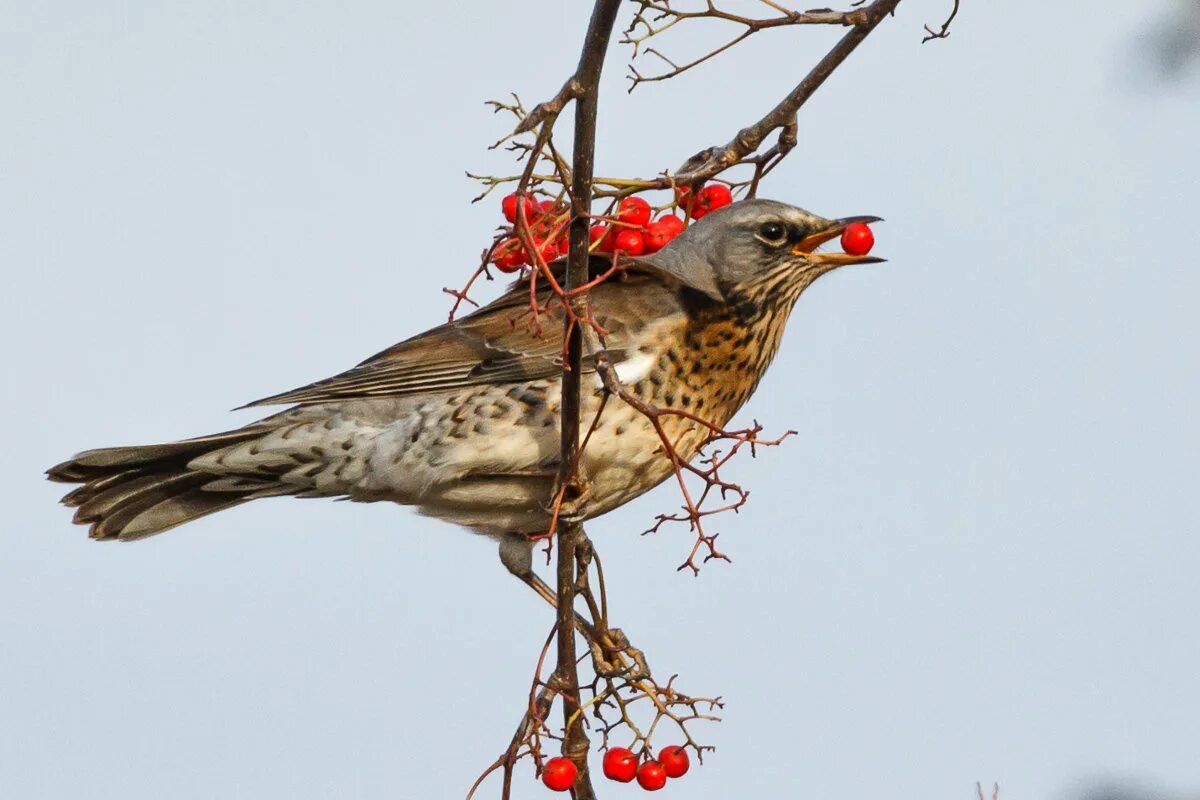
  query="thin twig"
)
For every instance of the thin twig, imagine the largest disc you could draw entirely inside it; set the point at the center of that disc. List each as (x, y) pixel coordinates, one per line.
(945, 29)
(749, 138)
(649, 22)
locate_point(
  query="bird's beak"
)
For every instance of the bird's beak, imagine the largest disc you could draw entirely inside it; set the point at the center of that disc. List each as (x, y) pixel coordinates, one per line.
(808, 244)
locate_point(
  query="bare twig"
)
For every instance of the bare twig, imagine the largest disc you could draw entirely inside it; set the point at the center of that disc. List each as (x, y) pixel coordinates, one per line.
(749, 138)
(709, 471)
(931, 34)
(995, 791)
(741, 149)
(549, 110)
(656, 17)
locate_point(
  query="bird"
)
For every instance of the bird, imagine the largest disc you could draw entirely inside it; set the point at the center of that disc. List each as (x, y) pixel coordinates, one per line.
(463, 421)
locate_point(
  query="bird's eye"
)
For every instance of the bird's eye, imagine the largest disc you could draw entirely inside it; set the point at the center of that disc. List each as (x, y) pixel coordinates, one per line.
(772, 233)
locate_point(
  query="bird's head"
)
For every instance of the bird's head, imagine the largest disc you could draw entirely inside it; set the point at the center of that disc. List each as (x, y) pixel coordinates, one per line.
(753, 248)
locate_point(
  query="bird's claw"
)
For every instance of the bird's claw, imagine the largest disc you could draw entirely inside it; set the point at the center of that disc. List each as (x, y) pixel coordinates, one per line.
(614, 657)
(573, 508)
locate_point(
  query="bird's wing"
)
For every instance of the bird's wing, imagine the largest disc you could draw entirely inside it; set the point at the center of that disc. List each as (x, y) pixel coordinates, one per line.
(497, 344)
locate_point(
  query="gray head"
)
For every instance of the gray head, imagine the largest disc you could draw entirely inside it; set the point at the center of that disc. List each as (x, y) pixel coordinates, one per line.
(754, 244)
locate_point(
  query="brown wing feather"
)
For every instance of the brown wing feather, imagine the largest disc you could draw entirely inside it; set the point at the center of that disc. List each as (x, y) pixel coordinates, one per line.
(494, 345)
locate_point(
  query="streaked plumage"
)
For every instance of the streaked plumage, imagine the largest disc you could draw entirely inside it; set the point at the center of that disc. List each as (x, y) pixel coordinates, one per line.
(462, 420)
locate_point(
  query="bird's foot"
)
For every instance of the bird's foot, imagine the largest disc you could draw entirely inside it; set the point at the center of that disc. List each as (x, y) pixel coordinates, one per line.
(614, 657)
(612, 654)
(571, 505)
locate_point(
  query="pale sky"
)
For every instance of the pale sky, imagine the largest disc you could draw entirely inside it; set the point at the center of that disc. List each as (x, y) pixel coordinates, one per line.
(977, 560)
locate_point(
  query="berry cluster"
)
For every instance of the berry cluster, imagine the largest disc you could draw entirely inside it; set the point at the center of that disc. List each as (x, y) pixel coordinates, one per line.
(634, 234)
(631, 232)
(709, 198)
(547, 222)
(621, 765)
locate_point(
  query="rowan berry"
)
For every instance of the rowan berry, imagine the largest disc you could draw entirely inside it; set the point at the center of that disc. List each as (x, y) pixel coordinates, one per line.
(674, 760)
(620, 764)
(509, 256)
(710, 198)
(548, 249)
(656, 237)
(857, 239)
(559, 774)
(651, 776)
(633, 211)
(630, 242)
(673, 223)
(683, 198)
(600, 238)
(509, 206)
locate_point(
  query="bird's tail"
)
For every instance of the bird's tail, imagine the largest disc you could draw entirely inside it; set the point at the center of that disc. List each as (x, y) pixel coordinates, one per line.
(133, 492)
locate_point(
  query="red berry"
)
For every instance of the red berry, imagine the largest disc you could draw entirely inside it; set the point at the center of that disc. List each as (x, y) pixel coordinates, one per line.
(683, 198)
(857, 239)
(674, 760)
(559, 773)
(657, 235)
(651, 776)
(672, 223)
(564, 245)
(508, 256)
(509, 206)
(546, 208)
(620, 764)
(510, 263)
(710, 198)
(630, 242)
(601, 237)
(634, 211)
(549, 250)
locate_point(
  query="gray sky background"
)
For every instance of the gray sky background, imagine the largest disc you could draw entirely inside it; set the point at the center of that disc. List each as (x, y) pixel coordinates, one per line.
(976, 561)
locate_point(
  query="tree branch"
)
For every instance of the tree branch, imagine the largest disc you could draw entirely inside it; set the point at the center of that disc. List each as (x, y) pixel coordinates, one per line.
(708, 163)
(585, 88)
(661, 10)
(742, 147)
(622, 678)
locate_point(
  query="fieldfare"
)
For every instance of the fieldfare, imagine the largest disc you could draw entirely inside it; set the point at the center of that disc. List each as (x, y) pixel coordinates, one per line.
(462, 421)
